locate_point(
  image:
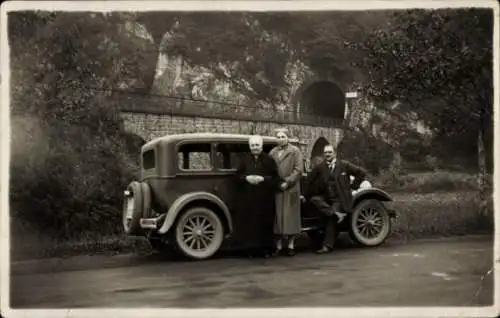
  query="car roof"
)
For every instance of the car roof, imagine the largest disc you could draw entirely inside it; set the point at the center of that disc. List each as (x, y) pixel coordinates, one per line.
(174, 138)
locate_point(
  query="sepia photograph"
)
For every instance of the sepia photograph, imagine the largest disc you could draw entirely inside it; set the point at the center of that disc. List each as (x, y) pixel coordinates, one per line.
(242, 158)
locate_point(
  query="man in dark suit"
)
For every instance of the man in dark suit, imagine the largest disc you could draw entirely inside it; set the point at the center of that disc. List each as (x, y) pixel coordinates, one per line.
(328, 188)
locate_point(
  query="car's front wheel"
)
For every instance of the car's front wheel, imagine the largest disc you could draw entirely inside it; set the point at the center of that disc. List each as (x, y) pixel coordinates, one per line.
(370, 223)
(199, 233)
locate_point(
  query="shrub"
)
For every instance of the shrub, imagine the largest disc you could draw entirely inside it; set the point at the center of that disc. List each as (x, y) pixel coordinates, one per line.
(440, 214)
(426, 182)
(74, 186)
(366, 151)
(432, 162)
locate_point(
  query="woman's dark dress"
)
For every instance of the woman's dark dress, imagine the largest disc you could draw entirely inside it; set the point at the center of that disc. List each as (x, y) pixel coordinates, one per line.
(255, 208)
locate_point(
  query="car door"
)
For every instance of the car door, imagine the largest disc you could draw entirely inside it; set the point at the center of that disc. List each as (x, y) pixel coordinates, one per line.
(227, 158)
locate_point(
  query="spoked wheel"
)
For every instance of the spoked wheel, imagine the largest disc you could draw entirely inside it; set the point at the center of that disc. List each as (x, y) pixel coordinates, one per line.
(370, 223)
(199, 233)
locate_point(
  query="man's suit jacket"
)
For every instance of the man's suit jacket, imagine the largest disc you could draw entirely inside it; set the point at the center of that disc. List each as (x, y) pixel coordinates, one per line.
(318, 182)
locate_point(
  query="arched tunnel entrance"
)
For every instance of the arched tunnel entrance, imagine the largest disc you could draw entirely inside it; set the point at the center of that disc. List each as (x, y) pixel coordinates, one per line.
(323, 98)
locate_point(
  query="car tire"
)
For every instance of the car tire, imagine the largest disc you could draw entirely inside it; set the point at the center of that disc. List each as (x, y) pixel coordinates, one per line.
(146, 200)
(133, 209)
(370, 223)
(199, 233)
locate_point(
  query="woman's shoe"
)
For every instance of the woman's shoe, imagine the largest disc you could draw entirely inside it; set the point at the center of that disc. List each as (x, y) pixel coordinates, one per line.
(276, 252)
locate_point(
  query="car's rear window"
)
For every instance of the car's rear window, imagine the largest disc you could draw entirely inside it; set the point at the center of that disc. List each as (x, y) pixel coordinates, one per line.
(268, 147)
(148, 159)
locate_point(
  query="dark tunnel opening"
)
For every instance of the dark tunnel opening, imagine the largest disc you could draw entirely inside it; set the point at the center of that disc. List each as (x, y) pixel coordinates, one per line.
(323, 98)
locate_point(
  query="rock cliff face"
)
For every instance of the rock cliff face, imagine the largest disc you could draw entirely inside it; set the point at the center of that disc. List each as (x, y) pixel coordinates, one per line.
(176, 77)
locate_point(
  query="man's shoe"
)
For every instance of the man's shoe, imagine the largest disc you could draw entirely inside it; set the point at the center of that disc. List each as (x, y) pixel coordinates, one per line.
(324, 250)
(290, 252)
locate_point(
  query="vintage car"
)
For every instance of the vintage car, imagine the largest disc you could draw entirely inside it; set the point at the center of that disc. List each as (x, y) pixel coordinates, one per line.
(184, 200)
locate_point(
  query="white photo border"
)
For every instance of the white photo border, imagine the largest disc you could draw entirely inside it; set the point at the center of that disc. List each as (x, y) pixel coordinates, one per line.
(106, 6)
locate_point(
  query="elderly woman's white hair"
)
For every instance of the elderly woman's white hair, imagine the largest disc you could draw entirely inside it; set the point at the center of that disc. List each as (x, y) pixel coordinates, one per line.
(256, 139)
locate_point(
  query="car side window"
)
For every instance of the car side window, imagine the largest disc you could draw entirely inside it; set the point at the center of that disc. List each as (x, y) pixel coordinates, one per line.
(194, 157)
(228, 155)
(267, 147)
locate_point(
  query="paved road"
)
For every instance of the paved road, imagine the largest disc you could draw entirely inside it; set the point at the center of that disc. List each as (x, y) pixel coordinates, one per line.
(430, 273)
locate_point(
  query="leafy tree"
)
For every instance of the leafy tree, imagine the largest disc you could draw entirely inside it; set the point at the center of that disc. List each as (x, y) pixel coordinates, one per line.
(364, 149)
(59, 62)
(439, 64)
(432, 62)
(325, 41)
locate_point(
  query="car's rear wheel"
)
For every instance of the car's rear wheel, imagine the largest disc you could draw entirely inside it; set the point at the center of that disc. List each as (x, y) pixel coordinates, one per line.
(199, 233)
(370, 223)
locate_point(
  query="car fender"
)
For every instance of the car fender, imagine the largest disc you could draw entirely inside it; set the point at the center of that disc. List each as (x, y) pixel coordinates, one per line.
(185, 199)
(372, 193)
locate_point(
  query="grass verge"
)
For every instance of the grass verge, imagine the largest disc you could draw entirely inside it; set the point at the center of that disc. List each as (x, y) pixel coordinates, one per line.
(428, 182)
(420, 216)
(425, 215)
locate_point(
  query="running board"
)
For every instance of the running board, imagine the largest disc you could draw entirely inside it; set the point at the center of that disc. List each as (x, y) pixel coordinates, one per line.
(308, 228)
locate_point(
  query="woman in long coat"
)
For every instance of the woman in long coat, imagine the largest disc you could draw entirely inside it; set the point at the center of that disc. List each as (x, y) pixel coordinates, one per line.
(290, 167)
